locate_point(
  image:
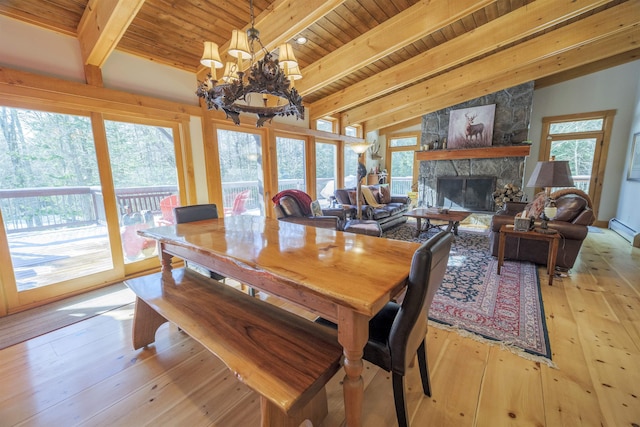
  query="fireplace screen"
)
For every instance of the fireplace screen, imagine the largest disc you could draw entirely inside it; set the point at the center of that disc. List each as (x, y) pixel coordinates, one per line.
(473, 193)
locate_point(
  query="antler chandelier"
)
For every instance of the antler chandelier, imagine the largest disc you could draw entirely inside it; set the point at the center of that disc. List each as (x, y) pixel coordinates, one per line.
(269, 76)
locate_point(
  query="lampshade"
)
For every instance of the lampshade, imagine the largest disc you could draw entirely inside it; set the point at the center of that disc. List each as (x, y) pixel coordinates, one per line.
(551, 174)
(211, 56)
(229, 72)
(286, 56)
(294, 73)
(359, 147)
(239, 45)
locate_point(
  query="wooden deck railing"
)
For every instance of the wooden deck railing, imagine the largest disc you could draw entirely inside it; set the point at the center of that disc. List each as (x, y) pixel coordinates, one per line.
(30, 209)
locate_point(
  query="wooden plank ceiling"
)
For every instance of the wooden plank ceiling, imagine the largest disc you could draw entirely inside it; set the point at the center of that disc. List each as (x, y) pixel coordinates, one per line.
(374, 63)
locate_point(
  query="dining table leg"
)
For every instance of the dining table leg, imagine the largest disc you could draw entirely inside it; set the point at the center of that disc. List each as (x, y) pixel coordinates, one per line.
(353, 333)
(165, 260)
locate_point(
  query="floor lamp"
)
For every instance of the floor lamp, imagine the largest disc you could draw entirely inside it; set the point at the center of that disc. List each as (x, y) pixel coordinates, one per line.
(359, 148)
(548, 175)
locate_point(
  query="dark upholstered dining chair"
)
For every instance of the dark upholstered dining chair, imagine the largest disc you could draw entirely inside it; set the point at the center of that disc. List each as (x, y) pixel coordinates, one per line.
(192, 213)
(399, 331)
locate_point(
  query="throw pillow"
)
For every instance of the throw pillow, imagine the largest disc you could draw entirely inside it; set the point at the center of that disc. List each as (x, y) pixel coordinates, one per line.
(385, 194)
(290, 206)
(353, 199)
(316, 210)
(538, 205)
(569, 207)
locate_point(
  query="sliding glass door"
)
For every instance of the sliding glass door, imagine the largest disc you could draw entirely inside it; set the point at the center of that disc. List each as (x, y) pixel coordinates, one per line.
(70, 212)
(241, 167)
(51, 199)
(291, 160)
(143, 167)
(326, 172)
(402, 163)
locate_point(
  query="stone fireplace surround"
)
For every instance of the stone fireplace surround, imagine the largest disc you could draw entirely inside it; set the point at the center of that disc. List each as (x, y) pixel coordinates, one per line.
(506, 170)
(511, 127)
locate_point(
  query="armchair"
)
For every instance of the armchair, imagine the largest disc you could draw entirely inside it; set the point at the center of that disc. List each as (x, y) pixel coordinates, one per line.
(574, 215)
(293, 206)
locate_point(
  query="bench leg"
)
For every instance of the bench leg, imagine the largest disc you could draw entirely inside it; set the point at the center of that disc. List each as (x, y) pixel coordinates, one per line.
(315, 411)
(146, 322)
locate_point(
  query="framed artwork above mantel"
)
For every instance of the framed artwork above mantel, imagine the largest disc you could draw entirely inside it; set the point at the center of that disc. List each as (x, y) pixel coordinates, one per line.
(471, 127)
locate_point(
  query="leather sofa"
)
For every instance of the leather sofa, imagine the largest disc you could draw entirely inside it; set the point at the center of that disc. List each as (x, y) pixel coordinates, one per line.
(574, 216)
(387, 215)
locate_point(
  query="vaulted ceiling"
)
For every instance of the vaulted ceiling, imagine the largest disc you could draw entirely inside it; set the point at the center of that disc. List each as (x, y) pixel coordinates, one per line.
(375, 63)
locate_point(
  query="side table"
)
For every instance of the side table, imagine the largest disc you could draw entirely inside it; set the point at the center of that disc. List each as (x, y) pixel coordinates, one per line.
(553, 239)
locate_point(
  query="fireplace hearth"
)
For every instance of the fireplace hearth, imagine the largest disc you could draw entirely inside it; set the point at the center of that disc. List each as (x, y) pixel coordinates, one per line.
(472, 193)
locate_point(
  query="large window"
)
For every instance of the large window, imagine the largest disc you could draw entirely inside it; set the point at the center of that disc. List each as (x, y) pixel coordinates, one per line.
(326, 171)
(350, 167)
(324, 125)
(51, 198)
(242, 172)
(402, 163)
(291, 160)
(143, 167)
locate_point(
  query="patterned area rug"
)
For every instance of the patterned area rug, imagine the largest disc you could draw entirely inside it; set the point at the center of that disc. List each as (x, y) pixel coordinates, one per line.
(503, 309)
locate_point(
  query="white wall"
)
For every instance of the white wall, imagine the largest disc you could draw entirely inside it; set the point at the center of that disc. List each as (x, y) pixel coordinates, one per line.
(133, 74)
(627, 208)
(612, 89)
(29, 48)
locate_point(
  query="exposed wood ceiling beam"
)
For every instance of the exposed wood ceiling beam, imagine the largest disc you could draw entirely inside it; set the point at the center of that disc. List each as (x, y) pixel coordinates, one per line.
(523, 22)
(512, 77)
(606, 34)
(401, 30)
(281, 22)
(590, 68)
(102, 26)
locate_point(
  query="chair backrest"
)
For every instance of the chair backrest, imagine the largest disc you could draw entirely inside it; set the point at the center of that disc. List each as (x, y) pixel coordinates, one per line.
(195, 213)
(240, 201)
(301, 199)
(409, 328)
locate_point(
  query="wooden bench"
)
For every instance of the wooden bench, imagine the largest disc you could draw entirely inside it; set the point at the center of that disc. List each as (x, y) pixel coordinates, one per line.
(285, 358)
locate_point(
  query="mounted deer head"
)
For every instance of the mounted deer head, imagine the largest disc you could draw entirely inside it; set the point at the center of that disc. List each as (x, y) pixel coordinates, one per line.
(375, 151)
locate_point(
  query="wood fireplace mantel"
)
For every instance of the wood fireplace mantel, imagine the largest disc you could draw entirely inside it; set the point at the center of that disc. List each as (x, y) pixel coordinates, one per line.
(475, 153)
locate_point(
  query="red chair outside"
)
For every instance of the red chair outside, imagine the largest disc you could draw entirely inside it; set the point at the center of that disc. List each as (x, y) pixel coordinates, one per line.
(238, 204)
(166, 208)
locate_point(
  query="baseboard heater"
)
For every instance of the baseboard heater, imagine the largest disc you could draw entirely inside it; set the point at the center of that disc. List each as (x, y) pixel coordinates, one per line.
(625, 231)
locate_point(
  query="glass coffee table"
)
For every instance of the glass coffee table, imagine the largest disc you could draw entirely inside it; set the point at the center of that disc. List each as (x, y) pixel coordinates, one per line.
(452, 218)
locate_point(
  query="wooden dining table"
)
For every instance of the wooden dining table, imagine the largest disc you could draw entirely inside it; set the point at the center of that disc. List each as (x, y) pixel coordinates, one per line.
(344, 277)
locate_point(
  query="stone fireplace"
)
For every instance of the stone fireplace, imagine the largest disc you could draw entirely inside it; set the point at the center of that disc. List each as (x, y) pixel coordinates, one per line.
(475, 173)
(473, 193)
(474, 179)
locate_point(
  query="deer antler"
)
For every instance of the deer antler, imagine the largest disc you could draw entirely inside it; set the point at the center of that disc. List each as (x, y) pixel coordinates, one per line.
(375, 151)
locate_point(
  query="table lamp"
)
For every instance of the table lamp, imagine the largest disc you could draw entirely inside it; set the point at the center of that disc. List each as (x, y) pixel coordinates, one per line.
(548, 175)
(359, 148)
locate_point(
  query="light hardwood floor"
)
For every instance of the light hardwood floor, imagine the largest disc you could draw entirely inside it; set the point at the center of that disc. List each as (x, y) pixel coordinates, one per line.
(88, 374)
